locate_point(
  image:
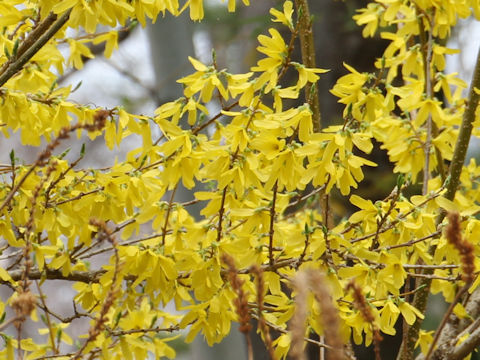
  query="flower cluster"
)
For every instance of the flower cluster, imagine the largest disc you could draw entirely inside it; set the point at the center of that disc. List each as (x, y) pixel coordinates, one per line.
(257, 169)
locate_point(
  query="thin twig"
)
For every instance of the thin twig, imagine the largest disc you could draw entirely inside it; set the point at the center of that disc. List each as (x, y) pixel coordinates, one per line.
(272, 223)
(21, 60)
(167, 215)
(445, 318)
(47, 318)
(427, 58)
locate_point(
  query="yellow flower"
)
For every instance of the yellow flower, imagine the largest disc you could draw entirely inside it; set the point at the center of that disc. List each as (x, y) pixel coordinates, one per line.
(425, 338)
(307, 74)
(445, 82)
(60, 334)
(369, 16)
(273, 46)
(434, 109)
(349, 87)
(388, 317)
(205, 80)
(232, 3)
(77, 51)
(268, 144)
(409, 312)
(196, 9)
(368, 212)
(284, 17)
(276, 50)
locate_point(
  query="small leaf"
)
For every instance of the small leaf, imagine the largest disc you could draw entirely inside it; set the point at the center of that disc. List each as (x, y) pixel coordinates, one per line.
(15, 48)
(63, 154)
(76, 87)
(12, 157)
(52, 87)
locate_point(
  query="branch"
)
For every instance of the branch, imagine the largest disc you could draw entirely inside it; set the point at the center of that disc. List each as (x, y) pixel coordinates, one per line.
(466, 347)
(465, 133)
(170, 329)
(432, 129)
(99, 122)
(11, 321)
(36, 32)
(272, 223)
(37, 44)
(421, 297)
(51, 274)
(427, 58)
(169, 209)
(308, 59)
(438, 331)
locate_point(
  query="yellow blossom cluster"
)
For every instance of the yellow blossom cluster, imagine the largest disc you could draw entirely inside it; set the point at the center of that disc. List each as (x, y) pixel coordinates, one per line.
(257, 168)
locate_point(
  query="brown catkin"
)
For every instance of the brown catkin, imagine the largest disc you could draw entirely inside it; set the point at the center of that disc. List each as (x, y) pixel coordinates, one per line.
(362, 306)
(260, 286)
(466, 250)
(241, 301)
(315, 281)
(23, 305)
(297, 324)
(329, 314)
(100, 322)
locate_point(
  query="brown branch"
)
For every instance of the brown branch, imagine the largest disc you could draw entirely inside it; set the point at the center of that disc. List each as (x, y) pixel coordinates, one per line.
(453, 180)
(265, 330)
(99, 122)
(77, 197)
(140, 331)
(240, 302)
(308, 58)
(47, 318)
(426, 50)
(220, 214)
(397, 219)
(272, 223)
(466, 347)
(36, 45)
(306, 196)
(167, 215)
(34, 35)
(101, 320)
(196, 130)
(51, 274)
(432, 130)
(11, 321)
(411, 242)
(60, 177)
(381, 222)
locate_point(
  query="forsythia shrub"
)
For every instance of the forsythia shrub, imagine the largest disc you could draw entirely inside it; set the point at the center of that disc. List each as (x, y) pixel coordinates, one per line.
(267, 244)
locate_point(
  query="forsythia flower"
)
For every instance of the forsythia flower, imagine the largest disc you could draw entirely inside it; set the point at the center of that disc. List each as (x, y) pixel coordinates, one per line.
(276, 50)
(284, 17)
(349, 88)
